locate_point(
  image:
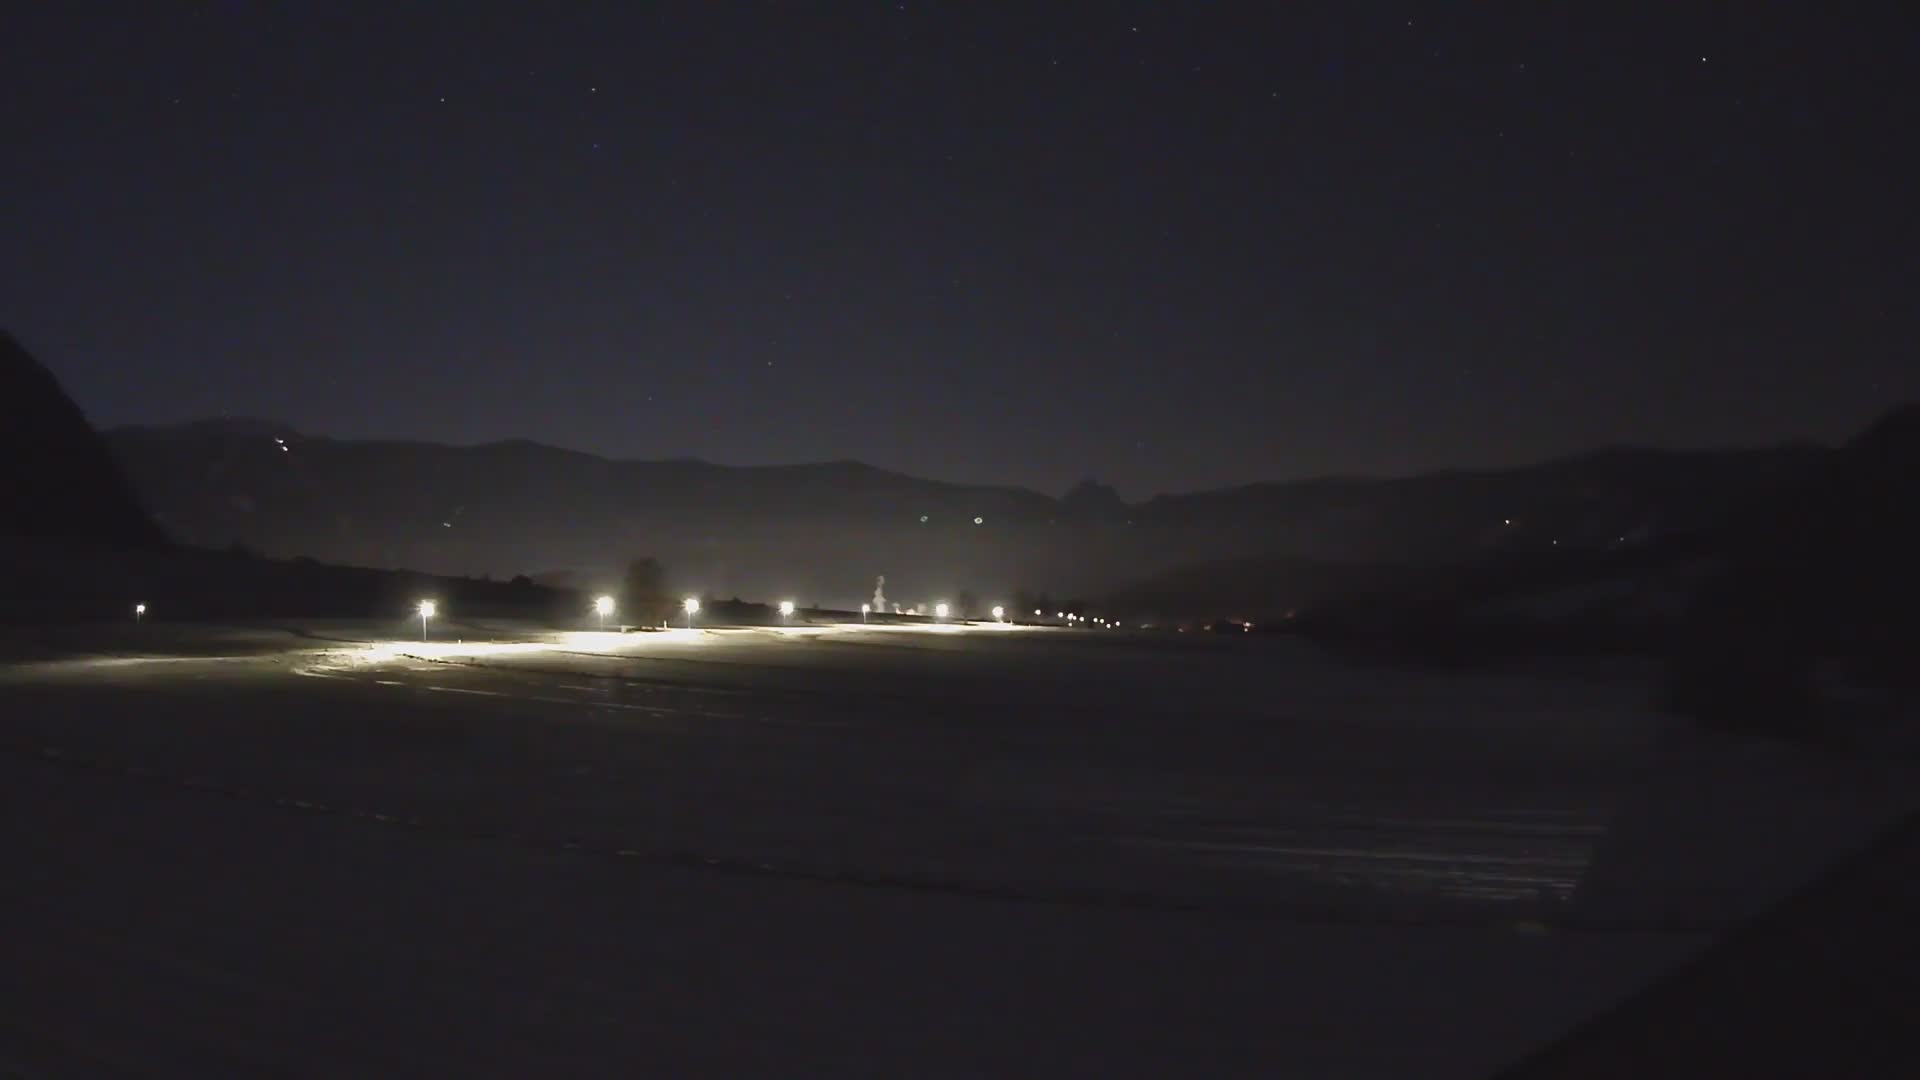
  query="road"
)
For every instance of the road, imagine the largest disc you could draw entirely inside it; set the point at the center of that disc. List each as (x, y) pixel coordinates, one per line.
(316, 850)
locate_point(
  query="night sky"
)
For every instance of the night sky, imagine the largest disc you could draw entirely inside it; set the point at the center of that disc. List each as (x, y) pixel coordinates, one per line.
(1168, 245)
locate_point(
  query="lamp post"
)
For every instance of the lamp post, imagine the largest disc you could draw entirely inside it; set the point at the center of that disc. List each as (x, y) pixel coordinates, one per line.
(427, 610)
(691, 605)
(603, 607)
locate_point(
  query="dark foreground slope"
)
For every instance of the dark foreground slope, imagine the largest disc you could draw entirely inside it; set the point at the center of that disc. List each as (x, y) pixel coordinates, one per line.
(1839, 550)
(57, 480)
(1825, 985)
(1820, 579)
(77, 545)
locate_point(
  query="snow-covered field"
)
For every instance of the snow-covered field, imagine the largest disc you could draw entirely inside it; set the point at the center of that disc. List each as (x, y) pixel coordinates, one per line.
(951, 851)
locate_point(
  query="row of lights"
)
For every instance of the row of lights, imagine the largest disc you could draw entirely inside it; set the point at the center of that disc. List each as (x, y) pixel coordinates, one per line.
(1068, 616)
(603, 606)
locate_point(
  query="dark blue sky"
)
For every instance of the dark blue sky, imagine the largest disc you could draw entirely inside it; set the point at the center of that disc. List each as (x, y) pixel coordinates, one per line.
(1169, 245)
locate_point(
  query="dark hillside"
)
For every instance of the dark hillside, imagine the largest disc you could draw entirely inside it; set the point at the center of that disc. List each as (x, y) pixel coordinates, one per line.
(57, 480)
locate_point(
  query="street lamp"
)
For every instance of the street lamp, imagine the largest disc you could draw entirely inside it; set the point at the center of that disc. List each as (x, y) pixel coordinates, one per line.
(139, 610)
(427, 610)
(999, 613)
(603, 607)
(940, 610)
(691, 605)
(786, 610)
(864, 608)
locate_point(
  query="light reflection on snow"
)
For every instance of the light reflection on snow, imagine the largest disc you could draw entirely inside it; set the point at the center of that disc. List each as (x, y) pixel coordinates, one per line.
(613, 642)
(380, 651)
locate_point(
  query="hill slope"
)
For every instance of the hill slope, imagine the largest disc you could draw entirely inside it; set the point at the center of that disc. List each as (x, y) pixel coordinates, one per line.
(57, 480)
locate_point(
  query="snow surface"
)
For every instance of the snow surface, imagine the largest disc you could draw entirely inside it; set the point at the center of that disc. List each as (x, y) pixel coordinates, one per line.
(832, 849)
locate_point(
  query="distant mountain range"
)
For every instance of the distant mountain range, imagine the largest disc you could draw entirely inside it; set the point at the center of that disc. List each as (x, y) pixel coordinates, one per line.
(1765, 578)
(1791, 554)
(822, 532)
